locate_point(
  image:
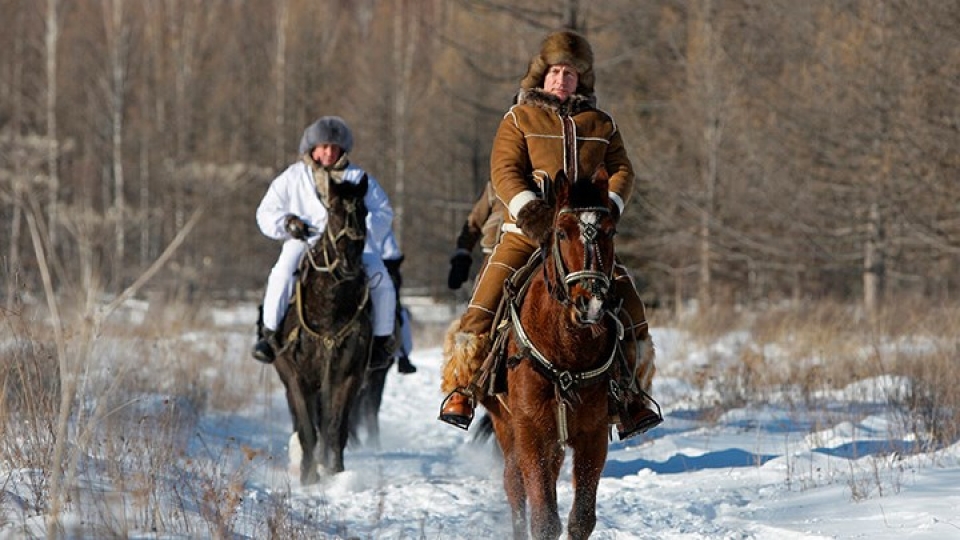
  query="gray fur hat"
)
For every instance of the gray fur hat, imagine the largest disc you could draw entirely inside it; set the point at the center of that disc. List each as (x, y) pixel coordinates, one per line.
(562, 47)
(327, 130)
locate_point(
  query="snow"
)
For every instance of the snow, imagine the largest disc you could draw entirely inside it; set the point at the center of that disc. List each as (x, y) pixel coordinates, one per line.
(776, 470)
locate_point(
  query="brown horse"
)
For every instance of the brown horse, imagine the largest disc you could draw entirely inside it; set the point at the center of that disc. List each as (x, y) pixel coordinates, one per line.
(560, 348)
(327, 334)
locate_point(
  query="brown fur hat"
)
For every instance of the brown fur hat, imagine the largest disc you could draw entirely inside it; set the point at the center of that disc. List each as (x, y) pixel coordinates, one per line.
(562, 47)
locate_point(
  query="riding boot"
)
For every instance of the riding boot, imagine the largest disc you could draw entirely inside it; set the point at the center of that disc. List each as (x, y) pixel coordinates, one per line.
(457, 409)
(266, 346)
(382, 353)
(636, 416)
(404, 365)
(635, 413)
(465, 353)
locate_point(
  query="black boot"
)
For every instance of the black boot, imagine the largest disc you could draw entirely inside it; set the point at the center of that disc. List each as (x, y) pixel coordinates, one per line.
(382, 353)
(265, 349)
(637, 415)
(404, 365)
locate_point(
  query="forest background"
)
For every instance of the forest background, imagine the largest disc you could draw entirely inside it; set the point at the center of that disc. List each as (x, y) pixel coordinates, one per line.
(784, 150)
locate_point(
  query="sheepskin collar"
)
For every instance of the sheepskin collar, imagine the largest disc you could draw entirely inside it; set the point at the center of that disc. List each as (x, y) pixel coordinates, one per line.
(539, 97)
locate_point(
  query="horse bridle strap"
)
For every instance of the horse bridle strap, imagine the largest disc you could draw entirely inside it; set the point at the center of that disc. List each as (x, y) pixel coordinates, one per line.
(600, 279)
(565, 380)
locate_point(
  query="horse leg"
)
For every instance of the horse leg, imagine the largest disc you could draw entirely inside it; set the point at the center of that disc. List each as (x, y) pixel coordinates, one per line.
(516, 496)
(303, 424)
(374, 392)
(512, 476)
(589, 456)
(541, 468)
(335, 426)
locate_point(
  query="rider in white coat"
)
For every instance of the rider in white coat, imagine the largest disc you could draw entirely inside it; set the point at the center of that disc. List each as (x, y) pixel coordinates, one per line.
(292, 211)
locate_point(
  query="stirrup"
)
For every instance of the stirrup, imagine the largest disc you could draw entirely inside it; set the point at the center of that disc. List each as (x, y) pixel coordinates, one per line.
(457, 420)
(649, 422)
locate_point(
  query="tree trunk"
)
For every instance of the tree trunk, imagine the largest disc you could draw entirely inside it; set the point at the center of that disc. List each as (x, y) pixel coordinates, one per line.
(52, 38)
(874, 263)
(280, 125)
(118, 75)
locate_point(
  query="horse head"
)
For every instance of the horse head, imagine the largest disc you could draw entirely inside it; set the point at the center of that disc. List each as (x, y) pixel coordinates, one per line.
(345, 234)
(582, 247)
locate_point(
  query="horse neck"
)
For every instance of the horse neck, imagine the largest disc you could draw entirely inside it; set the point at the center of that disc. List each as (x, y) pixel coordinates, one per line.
(327, 296)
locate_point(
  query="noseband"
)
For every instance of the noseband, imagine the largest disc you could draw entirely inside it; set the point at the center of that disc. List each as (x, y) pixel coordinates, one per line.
(594, 277)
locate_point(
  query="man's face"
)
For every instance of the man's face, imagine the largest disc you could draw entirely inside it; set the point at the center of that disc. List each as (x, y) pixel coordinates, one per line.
(326, 154)
(561, 81)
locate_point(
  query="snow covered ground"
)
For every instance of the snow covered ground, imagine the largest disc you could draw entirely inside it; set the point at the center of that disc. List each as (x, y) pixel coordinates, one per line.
(774, 471)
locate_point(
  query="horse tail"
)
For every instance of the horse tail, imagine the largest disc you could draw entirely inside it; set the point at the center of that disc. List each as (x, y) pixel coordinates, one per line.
(484, 430)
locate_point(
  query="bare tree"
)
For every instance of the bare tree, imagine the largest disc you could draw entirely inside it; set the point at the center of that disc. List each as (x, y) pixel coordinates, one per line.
(52, 39)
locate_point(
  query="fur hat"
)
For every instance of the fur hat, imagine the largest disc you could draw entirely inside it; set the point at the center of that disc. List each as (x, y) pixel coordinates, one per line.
(327, 130)
(562, 47)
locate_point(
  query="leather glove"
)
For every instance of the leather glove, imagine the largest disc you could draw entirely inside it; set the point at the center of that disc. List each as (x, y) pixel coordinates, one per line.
(296, 227)
(459, 269)
(535, 219)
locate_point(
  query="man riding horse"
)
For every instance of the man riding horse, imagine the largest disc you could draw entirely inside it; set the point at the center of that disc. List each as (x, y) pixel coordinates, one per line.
(294, 211)
(554, 126)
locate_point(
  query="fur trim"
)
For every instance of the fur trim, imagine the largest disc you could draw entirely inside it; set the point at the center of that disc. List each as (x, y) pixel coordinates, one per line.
(327, 130)
(464, 353)
(539, 97)
(562, 47)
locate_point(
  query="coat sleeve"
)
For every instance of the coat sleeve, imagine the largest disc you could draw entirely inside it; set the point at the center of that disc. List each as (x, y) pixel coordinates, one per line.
(509, 165)
(379, 216)
(621, 170)
(274, 207)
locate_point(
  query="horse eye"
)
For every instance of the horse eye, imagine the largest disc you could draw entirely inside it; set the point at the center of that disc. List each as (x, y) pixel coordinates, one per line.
(561, 234)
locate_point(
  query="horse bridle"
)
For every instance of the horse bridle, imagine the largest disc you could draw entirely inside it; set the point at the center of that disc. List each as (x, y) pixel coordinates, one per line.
(594, 277)
(333, 263)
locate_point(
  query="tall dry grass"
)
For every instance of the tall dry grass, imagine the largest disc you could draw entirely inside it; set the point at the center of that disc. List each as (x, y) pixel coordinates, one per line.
(142, 463)
(905, 358)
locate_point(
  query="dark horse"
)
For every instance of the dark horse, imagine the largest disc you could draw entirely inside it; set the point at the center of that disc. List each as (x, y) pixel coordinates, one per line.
(327, 334)
(560, 346)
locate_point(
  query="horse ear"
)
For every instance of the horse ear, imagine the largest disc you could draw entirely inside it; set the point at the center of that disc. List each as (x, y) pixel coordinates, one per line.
(601, 178)
(364, 184)
(561, 187)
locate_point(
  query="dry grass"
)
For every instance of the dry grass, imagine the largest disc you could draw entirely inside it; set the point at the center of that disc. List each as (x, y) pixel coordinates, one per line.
(806, 352)
(133, 432)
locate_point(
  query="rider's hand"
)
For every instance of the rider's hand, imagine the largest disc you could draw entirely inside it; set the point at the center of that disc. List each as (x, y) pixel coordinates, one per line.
(535, 219)
(296, 227)
(459, 269)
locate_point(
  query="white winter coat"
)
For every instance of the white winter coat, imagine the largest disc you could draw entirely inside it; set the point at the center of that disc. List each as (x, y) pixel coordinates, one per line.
(294, 192)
